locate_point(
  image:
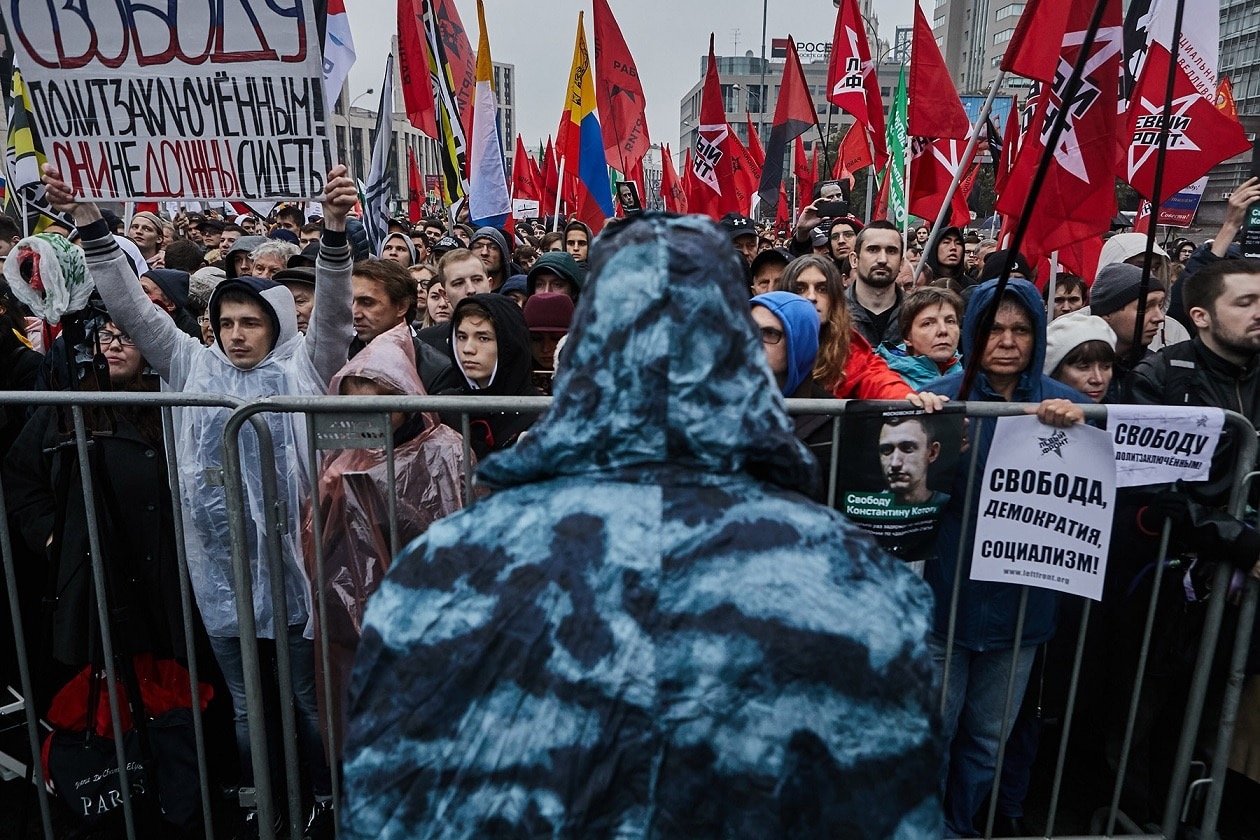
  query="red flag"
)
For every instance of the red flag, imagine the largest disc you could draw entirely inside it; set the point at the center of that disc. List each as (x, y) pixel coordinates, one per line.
(550, 179)
(619, 94)
(854, 154)
(852, 83)
(523, 184)
(879, 210)
(460, 57)
(1012, 137)
(1034, 48)
(1225, 98)
(754, 143)
(969, 181)
(806, 174)
(1200, 135)
(671, 188)
(932, 169)
(690, 184)
(712, 165)
(745, 172)
(1078, 198)
(1142, 219)
(413, 68)
(935, 109)
(415, 188)
(793, 116)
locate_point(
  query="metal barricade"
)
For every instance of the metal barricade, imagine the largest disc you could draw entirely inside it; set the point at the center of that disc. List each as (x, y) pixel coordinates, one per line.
(364, 421)
(76, 403)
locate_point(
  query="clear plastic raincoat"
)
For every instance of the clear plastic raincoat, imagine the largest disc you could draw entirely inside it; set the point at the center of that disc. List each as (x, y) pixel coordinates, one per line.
(296, 365)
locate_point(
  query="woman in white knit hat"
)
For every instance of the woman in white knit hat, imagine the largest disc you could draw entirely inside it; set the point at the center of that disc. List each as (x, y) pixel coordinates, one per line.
(1080, 352)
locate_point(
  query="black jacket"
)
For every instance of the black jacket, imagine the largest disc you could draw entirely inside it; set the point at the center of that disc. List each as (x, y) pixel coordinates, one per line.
(864, 324)
(1189, 373)
(19, 371)
(45, 497)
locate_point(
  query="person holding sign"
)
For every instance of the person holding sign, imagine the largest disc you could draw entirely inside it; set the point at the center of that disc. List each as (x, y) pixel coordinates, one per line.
(1010, 370)
(258, 353)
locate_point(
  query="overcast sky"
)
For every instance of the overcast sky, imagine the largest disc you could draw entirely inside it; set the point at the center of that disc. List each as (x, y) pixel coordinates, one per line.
(666, 37)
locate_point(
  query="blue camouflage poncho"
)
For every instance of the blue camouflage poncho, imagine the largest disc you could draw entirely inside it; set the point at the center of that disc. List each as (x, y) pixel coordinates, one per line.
(646, 631)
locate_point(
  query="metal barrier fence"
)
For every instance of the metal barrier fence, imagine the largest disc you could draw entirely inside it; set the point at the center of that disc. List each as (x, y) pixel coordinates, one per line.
(332, 423)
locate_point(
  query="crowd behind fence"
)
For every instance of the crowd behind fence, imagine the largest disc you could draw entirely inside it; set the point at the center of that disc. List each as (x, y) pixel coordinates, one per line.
(339, 423)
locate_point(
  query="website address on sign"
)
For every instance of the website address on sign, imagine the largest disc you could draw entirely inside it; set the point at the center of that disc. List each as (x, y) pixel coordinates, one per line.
(1035, 574)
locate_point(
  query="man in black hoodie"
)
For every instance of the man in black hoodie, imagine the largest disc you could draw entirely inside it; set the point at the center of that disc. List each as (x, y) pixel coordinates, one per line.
(490, 347)
(945, 256)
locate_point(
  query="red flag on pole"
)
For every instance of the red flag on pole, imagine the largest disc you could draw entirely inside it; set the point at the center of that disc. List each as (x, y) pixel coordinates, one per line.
(852, 82)
(1035, 47)
(619, 94)
(854, 154)
(745, 172)
(793, 116)
(1200, 135)
(672, 193)
(690, 184)
(712, 166)
(415, 188)
(879, 210)
(550, 179)
(806, 173)
(935, 109)
(523, 184)
(1078, 198)
(932, 169)
(754, 143)
(413, 68)
(460, 58)
(969, 181)
(1225, 98)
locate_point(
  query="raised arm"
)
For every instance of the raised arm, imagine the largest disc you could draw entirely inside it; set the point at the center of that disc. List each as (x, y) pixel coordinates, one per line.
(153, 331)
(328, 338)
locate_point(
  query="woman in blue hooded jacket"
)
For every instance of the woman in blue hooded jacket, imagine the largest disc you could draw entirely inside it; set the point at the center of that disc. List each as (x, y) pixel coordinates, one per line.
(1011, 362)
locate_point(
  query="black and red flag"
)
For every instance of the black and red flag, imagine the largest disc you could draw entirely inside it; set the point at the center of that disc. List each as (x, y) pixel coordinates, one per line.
(413, 68)
(793, 116)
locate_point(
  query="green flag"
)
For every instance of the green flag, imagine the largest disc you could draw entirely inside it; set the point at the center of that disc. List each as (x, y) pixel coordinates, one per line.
(898, 144)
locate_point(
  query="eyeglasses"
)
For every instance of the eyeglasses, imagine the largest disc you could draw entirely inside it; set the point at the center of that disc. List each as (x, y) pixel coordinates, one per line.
(769, 335)
(843, 234)
(107, 338)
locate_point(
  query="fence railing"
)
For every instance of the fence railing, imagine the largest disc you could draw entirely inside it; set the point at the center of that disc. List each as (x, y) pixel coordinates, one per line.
(332, 423)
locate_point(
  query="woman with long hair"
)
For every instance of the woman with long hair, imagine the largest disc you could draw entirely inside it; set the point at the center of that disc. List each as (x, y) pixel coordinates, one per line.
(846, 366)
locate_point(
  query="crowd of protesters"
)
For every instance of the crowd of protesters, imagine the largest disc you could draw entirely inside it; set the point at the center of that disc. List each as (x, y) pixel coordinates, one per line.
(294, 304)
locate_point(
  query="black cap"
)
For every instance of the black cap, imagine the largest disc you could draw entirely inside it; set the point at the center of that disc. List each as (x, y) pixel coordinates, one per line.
(770, 256)
(737, 225)
(305, 258)
(446, 243)
(295, 274)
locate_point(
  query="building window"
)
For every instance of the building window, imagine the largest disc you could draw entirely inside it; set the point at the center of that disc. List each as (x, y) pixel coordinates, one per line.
(730, 99)
(1009, 10)
(1003, 36)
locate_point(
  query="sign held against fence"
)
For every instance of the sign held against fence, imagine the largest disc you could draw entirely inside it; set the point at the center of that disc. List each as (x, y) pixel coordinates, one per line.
(1046, 506)
(143, 101)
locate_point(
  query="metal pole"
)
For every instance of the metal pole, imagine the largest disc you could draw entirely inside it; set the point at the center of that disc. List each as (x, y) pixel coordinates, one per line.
(1157, 187)
(1071, 89)
(761, 97)
(972, 142)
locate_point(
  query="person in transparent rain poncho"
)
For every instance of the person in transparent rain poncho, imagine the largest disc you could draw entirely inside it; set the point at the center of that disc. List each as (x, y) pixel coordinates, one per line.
(257, 353)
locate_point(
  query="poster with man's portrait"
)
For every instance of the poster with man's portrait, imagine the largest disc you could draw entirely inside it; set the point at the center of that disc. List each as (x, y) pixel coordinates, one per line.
(900, 467)
(628, 197)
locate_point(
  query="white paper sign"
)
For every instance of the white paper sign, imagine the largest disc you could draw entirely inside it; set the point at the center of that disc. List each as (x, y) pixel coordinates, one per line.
(1160, 444)
(524, 208)
(1044, 517)
(164, 101)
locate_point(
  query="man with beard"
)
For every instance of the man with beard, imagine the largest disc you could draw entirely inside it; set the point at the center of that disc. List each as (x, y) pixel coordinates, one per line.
(873, 298)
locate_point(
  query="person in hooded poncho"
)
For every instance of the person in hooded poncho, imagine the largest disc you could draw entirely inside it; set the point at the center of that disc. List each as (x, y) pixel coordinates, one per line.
(980, 665)
(642, 632)
(292, 364)
(354, 492)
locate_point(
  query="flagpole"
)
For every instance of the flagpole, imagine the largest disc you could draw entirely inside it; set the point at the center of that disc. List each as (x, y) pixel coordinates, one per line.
(1051, 283)
(1070, 92)
(1161, 157)
(905, 194)
(555, 217)
(972, 142)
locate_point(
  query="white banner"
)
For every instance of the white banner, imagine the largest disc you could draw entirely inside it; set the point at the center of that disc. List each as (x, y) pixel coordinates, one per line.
(1046, 506)
(1160, 444)
(166, 101)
